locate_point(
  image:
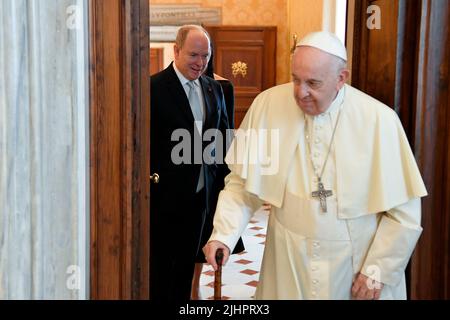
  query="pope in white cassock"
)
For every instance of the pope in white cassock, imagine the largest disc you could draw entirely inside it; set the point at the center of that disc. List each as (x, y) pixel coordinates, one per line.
(345, 197)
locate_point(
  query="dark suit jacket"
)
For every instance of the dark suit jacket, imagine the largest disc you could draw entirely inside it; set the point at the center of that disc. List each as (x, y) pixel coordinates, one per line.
(174, 224)
(170, 111)
(228, 93)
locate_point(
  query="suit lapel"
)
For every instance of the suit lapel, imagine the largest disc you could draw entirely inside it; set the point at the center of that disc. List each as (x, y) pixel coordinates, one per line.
(210, 103)
(176, 91)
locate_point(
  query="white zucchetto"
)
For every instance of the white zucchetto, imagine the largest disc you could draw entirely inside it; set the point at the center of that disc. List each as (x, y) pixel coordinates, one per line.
(325, 41)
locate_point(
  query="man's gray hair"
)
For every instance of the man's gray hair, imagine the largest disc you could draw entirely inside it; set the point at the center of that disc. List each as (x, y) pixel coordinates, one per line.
(340, 64)
(183, 33)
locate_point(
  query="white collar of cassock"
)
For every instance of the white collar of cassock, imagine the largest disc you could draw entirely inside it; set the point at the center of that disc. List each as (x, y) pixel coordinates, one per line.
(334, 107)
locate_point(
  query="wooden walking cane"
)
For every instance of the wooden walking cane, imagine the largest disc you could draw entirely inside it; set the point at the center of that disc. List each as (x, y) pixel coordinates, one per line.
(218, 275)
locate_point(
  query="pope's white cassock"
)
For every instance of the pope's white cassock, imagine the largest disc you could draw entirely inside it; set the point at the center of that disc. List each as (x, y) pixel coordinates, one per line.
(372, 221)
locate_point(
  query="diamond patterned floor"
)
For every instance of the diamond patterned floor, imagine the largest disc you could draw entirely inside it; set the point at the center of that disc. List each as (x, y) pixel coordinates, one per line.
(241, 274)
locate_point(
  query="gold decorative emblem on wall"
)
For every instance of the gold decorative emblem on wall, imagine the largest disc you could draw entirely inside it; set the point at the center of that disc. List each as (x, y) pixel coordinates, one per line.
(239, 68)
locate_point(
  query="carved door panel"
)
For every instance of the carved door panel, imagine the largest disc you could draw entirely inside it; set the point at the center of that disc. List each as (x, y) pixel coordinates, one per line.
(247, 57)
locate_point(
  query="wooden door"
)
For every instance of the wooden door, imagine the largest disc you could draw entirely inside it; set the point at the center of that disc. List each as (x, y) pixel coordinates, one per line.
(156, 60)
(246, 56)
(405, 64)
(119, 149)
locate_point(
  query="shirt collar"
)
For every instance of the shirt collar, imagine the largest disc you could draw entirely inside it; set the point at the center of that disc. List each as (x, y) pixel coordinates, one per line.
(334, 107)
(182, 78)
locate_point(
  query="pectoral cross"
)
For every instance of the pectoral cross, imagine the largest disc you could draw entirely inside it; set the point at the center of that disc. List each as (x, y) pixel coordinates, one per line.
(322, 194)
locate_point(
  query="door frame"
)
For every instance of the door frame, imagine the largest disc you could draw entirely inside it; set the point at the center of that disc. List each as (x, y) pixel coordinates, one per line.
(420, 90)
(119, 149)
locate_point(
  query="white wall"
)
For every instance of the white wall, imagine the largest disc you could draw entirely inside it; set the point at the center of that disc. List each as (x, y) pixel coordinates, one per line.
(334, 17)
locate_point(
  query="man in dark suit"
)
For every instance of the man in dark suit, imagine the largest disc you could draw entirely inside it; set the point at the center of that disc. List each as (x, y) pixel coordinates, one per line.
(184, 105)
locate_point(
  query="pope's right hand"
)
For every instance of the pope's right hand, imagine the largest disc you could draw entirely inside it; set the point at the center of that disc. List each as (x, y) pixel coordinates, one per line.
(210, 252)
